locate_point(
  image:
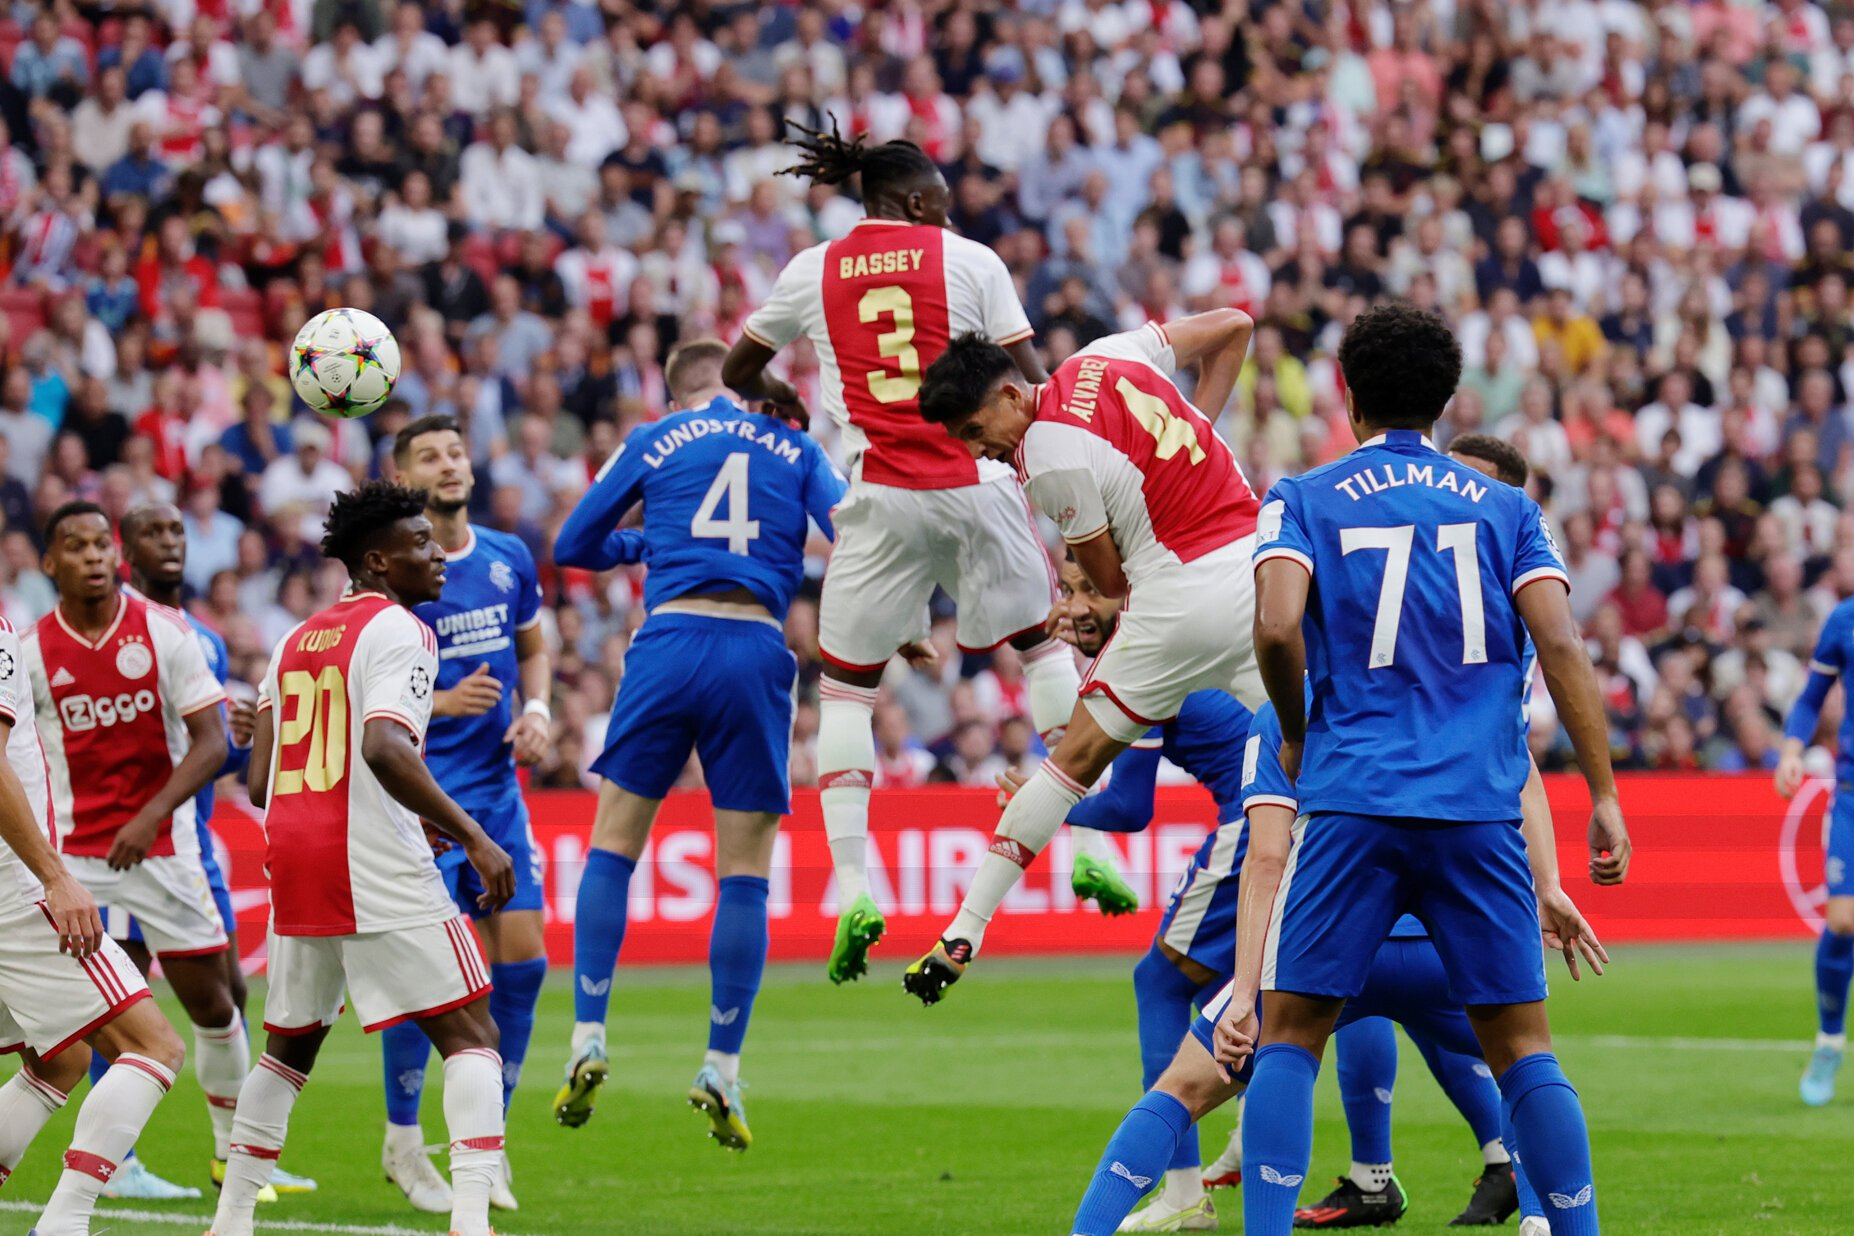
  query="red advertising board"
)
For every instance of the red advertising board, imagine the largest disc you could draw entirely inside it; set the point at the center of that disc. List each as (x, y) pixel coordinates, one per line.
(1716, 858)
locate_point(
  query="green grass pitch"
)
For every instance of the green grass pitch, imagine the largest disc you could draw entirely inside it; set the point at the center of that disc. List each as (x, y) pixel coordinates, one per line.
(875, 1117)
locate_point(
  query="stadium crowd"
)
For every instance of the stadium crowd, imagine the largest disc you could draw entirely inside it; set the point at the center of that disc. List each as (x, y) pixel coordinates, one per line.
(1637, 216)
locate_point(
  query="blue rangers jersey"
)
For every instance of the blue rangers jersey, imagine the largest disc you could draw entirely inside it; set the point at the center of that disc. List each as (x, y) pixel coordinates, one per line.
(491, 591)
(1834, 650)
(1415, 649)
(236, 757)
(1205, 739)
(727, 495)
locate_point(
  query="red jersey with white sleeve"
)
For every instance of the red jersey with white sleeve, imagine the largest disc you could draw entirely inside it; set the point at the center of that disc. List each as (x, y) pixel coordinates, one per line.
(879, 306)
(112, 717)
(1116, 447)
(18, 886)
(344, 856)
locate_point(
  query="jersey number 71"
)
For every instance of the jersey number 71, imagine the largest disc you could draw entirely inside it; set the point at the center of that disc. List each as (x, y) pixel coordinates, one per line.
(1458, 539)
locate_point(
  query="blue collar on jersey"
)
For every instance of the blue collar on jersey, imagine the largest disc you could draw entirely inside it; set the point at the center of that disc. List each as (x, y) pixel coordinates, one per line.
(720, 405)
(1407, 438)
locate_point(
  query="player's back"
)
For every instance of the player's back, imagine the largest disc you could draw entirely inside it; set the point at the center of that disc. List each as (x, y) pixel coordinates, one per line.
(1171, 488)
(27, 759)
(1415, 649)
(879, 305)
(1834, 656)
(344, 856)
(728, 498)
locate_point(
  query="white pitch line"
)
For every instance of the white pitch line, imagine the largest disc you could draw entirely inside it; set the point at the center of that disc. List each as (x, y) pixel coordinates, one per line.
(105, 1213)
(1798, 1046)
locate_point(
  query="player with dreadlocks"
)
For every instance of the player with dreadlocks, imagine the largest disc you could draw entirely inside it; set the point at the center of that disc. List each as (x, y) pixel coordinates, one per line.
(357, 904)
(879, 305)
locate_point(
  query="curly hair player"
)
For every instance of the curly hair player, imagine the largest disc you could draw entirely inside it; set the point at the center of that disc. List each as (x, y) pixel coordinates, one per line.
(879, 306)
(357, 904)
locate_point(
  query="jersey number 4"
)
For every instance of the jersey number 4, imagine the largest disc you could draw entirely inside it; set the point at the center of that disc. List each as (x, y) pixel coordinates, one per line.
(312, 742)
(1458, 539)
(730, 487)
(896, 345)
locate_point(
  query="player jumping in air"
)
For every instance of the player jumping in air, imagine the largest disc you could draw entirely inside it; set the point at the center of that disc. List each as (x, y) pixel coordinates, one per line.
(488, 624)
(357, 904)
(129, 713)
(879, 306)
(154, 542)
(1834, 951)
(1430, 576)
(728, 498)
(1149, 498)
(64, 984)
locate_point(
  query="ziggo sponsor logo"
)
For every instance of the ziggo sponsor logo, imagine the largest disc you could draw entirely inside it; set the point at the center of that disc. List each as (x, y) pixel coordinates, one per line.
(84, 712)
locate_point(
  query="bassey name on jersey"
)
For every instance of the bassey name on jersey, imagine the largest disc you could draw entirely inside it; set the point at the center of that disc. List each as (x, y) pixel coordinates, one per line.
(1384, 478)
(473, 632)
(689, 431)
(887, 262)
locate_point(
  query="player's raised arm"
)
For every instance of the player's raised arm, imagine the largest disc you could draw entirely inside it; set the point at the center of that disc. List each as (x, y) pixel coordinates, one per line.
(1219, 339)
(1545, 607)
(1125, 803)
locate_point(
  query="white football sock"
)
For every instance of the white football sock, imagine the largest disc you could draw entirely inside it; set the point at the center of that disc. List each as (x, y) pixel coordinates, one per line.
(26, 1104)
(1184, 1186)
(403, 1138)
(1837, 1041)
(1493, 1154)
(1371, 1177)
(846, 770)
(1052, 682)
(1032, 818)
(473, 1119)
(727, 1063)
(262, 1121)
(108, 1123)
(221, 1061)
(584, 1031)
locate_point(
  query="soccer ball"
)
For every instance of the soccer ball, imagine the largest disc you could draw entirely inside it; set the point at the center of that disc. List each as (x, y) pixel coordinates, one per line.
(344, 363)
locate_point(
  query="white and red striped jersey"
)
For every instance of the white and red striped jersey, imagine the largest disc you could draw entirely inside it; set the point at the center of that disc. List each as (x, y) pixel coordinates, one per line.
(879, 306)
(344, 856)
(27, 759)
(1116, 447)
(113, 718)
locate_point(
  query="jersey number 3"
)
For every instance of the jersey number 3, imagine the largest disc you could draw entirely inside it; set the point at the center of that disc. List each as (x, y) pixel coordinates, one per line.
(896, 345)
(1458, 539)
(730, 487)
(313, 737)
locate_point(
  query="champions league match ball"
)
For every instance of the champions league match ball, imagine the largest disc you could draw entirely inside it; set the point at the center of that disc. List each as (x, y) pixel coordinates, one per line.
(344, 363)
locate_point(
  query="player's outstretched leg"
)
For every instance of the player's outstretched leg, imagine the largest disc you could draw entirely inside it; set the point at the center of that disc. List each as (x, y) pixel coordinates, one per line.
(1834, 967)
(1163, 995)
(1030, 820)
(846, 771)
(405, 1052)
(736, 962)
(598, 934)
(1369, 1194)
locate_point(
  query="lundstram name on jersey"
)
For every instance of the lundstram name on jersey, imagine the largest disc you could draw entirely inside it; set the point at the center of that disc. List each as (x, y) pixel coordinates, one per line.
(112, 715)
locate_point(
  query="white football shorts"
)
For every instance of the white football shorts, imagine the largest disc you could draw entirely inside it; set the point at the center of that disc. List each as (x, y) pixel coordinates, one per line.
(48, 999)
(406, 974)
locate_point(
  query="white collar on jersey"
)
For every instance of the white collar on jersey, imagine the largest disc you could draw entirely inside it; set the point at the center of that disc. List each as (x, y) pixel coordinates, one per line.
(469, 547)
(1409, 433)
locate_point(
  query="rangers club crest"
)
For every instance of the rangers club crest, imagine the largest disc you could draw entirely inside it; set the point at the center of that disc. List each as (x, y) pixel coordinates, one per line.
(134, 659)
(502, 575)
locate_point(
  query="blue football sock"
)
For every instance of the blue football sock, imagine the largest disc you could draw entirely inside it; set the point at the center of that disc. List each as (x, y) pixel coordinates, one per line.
(1549, 1123)
(1834, 967)
(1134, 1160)
(1529, 1206)
(1277, 1138)
(1163, 995)
(405, 1051)
(1366, 1060)
(598, 931)
(736, 960)
(515, 990)
(1469, 1085)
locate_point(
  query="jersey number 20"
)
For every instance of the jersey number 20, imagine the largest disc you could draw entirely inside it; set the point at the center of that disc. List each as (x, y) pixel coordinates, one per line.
(313, 735)
(730, 487)
(1458, 539)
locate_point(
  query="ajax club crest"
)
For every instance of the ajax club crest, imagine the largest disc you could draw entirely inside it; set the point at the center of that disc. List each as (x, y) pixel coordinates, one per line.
(134, 658)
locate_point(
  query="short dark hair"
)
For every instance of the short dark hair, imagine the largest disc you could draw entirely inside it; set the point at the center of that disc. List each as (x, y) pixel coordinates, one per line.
(957, 383)
(688, 365)
(1401, 364)
(1508, 461)
(358, 519)
(402, 443)
(831, 159)
(70, 510)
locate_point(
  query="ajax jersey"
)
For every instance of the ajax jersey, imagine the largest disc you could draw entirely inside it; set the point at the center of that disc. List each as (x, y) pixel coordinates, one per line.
(27, 758)
(344, 857)
(879, 306)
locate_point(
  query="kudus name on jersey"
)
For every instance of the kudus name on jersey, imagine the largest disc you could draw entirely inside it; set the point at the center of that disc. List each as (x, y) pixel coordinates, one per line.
(689, 431)
(84, 712)
(1386, 477)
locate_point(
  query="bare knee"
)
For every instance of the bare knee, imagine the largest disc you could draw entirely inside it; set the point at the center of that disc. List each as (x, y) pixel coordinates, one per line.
(141, 1030)
(63, 1071)
(465, 1029)
(1840, 916)
(1086, 749)
(1195, 1081)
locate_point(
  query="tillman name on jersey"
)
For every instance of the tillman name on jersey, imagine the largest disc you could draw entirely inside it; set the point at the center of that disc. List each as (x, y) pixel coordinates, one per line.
(1385, 477)
(887, 262)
